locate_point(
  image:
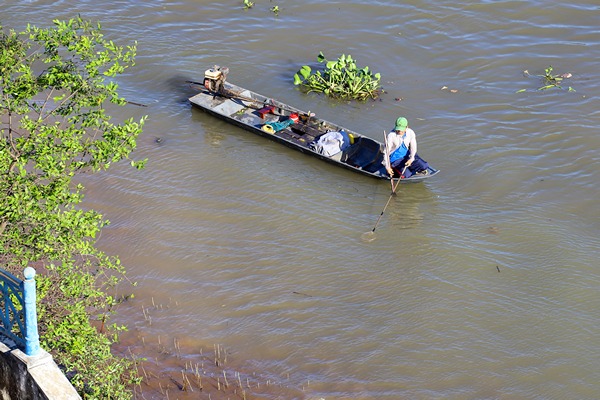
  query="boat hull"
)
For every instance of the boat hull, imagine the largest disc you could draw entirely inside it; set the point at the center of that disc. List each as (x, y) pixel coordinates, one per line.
(258, 114)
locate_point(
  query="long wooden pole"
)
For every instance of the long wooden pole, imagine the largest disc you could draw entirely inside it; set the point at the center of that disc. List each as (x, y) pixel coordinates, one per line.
(389, 199)
(385, 154)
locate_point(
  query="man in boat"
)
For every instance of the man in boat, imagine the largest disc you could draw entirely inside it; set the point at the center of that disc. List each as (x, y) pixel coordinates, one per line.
(401, 158)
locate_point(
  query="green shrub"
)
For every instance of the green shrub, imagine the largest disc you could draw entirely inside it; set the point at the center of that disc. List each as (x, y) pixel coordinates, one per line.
(54, 124)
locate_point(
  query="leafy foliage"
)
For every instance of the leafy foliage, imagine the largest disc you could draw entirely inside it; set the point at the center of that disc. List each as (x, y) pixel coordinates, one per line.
(54, 125)
(340, 79)
(550, 80)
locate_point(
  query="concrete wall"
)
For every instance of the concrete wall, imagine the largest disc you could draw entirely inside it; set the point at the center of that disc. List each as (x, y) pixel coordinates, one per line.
(38, 377)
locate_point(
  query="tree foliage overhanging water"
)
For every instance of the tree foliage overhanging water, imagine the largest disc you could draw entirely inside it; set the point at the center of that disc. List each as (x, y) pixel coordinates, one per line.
(54, 126)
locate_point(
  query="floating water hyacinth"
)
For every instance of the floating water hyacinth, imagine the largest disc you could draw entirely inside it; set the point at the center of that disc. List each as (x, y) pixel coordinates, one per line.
(340, 79)
(549, 80)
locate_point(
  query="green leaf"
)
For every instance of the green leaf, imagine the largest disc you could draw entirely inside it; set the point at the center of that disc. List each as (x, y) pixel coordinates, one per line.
(305, 71)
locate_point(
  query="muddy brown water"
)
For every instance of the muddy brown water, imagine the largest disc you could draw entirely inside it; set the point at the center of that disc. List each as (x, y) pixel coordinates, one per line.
(481, 283)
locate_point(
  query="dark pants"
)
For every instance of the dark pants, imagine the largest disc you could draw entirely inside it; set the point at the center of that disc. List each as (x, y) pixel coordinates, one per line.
(417, 165)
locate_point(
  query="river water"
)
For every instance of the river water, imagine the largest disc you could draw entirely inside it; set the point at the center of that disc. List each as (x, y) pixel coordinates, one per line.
(482, 282)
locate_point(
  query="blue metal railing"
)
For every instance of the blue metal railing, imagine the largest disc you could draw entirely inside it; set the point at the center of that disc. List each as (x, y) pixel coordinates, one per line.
(18, 311)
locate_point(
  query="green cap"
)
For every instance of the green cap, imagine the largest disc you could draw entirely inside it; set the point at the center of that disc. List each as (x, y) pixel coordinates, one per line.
(401, 124)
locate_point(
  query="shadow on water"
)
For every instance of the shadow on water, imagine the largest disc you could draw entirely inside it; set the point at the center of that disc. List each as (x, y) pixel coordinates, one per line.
(182, 90)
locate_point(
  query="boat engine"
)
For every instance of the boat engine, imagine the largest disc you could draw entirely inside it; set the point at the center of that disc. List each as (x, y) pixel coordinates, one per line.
(214, 78)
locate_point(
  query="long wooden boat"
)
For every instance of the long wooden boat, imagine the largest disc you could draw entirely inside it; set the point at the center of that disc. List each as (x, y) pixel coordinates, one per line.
(293, 127)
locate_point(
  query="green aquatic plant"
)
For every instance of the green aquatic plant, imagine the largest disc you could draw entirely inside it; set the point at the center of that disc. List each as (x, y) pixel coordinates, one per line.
(275, 10)
(550, 80)
(340, 79)
(248, 4)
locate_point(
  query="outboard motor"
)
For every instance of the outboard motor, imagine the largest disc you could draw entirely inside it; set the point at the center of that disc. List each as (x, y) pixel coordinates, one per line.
(214, 78)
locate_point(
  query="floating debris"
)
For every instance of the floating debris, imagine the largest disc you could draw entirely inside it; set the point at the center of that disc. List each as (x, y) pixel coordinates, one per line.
(550, 80)
(451, 90)
(493, 229)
